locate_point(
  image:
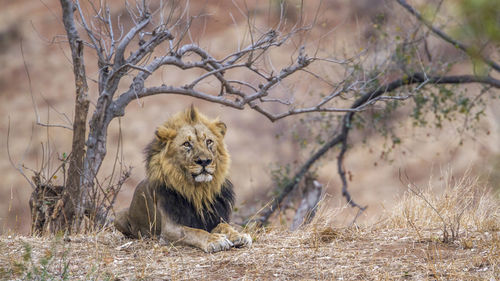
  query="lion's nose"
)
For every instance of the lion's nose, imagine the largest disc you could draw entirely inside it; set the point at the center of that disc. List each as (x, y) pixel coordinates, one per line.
(203, 162)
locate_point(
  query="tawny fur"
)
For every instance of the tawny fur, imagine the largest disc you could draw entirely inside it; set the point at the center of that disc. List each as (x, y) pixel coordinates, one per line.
(186, 197)
(163, 166)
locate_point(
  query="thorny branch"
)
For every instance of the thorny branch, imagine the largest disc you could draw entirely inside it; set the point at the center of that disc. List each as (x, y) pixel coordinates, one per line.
(451, 224)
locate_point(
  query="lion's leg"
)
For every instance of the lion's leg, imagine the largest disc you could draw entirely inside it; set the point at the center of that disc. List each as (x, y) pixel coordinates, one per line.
(238, 239)
(208, 242)
(122, 223)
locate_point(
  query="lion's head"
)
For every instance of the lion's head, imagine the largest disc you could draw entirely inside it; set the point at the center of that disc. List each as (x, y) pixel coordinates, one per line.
(189, 155)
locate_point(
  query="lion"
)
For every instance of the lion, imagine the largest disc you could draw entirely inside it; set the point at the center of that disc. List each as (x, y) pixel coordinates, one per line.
(186, 197)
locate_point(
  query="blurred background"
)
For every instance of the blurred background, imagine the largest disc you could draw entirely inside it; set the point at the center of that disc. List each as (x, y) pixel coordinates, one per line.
(36, 75)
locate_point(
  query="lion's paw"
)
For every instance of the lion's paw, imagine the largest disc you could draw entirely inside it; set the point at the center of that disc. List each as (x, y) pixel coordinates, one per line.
(241, 240)
(218, 242)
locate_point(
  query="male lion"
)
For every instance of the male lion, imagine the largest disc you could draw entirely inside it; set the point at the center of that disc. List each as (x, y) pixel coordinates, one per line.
(186, 196)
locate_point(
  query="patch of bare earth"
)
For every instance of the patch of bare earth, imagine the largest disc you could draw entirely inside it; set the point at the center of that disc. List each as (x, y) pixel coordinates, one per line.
(315, 253)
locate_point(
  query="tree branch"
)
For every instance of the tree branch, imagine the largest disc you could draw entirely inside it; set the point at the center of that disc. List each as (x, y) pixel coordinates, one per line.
(341, 138)
(95, 43)
(346, 126)
(446, 37)
(159, 36)
(120, 49)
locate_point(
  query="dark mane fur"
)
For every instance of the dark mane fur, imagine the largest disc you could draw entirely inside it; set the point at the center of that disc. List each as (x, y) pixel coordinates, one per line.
(183, 212)
(153, 148)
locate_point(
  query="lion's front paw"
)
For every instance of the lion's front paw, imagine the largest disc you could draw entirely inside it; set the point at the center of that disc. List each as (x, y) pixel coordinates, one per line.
(218, 242)
(241, 240)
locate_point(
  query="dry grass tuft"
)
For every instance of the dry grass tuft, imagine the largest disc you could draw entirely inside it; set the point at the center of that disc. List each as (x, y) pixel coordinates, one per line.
(463, 206)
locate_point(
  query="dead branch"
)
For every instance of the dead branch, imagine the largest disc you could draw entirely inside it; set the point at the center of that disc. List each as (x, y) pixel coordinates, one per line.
(35, 108)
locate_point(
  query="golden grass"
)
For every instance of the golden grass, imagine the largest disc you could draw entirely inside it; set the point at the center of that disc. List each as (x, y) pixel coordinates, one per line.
(407, 244)
(461, 205)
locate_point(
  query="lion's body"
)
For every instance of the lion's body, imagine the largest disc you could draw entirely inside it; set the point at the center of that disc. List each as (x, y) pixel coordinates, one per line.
(180, 210)
(186, 196)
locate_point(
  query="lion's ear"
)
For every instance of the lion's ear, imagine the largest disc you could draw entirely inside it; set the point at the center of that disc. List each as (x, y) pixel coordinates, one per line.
(165, 134)
(192, 114)
(221, 127)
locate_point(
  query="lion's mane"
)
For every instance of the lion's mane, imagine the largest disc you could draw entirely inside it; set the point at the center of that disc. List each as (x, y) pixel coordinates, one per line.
(163, 169)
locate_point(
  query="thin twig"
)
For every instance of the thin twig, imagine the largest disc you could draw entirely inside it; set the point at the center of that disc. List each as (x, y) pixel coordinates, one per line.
(17, 167)
(35, 108)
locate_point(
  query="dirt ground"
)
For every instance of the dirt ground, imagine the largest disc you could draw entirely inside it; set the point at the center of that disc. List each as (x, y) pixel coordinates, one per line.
(454, 235)
(251, 139)
(314, 254)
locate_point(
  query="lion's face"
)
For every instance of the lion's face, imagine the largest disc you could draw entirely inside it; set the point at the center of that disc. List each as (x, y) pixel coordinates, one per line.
(189, 155)
(195, 150)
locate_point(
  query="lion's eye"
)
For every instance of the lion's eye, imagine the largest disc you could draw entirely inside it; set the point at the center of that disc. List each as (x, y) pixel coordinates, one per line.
(187, 144)
(209, 142)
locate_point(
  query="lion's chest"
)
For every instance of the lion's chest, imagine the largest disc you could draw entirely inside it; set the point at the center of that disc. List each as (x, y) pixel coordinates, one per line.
(183, 212)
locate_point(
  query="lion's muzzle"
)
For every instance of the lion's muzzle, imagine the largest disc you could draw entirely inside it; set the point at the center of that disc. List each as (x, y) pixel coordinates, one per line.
(205, 175)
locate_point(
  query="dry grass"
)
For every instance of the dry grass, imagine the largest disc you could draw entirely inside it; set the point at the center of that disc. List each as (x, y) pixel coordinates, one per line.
(342, 254)
(462, 208)
(406, 245)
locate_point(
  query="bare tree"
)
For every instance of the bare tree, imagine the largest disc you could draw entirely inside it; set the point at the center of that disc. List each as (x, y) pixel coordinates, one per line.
(159, 39)
(152, 29)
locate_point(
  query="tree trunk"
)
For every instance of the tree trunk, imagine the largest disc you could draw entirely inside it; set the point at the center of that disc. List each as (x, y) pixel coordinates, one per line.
(96, 151)
(309, 203)
(71, 213)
